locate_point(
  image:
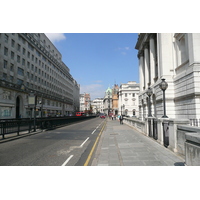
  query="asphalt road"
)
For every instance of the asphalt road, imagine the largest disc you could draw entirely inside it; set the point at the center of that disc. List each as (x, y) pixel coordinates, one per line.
(66, 146)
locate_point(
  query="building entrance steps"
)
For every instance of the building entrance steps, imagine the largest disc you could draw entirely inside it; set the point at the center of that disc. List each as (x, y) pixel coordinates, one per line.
(121, 145)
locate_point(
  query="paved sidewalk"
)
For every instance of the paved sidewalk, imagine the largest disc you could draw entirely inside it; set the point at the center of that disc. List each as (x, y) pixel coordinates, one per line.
(121, 145)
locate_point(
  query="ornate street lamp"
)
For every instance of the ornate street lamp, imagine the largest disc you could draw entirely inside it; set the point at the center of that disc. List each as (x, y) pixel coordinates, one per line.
(163, 86)
(149, 93)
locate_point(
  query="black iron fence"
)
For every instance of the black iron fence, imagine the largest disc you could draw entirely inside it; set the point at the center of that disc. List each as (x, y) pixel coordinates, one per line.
(30, 125)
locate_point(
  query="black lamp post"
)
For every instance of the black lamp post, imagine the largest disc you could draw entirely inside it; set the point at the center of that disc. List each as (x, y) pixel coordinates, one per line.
(163, 86)
(149, 93)
(108, 103)
(32, 101)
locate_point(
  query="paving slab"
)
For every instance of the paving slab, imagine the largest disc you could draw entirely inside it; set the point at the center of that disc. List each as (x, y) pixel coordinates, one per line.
(121, 145)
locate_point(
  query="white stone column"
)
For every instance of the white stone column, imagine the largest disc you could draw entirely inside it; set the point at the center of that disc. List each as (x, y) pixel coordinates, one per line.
(141, 67)
(146, 64)
(152, 58)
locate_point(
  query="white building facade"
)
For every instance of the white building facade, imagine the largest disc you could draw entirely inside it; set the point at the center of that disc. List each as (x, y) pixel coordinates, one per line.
(97, 105)
(174, 57)
(128, 99)
(30, 63)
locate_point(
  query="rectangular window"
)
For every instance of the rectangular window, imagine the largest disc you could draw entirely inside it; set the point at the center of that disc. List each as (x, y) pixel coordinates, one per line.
(6, 38)
(18, 59)
(11, 67)
(4, 76)
(13, 43)
(5, 111)
(5, 63)
(5, 51)
(20, 71)
(18, 48)
(24, 51)
(23, 62)
(12, 55)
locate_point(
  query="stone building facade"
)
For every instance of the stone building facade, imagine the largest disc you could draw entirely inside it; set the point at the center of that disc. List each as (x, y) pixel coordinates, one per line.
(30, 63)
(97, 105)
(176, 58)
(107, 101)
(85, 103)
(128, 99)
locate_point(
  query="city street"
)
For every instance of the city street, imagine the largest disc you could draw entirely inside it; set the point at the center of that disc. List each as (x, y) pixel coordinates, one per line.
(66, 146)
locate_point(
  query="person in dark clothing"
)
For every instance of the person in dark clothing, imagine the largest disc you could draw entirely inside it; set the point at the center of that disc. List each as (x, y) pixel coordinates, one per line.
(121, 119)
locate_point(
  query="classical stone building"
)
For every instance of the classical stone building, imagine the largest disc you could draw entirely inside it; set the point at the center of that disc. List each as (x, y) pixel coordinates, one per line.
(174, 57)
(128, 99)
(97, 105)
(107, 101)
(31, 64)
(115, 99)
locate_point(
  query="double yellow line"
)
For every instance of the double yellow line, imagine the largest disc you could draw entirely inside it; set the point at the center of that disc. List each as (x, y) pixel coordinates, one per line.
(93, 148)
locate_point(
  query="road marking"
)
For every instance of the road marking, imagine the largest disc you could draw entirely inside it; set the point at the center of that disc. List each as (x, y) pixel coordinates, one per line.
(84, 142)
(93, 148)
(67, 160)
(93, 131)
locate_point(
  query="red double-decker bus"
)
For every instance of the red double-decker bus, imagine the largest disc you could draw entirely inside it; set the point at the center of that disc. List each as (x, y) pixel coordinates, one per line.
(80, 114)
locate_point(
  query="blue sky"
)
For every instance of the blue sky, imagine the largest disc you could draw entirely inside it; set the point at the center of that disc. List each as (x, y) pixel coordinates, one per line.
(98, 60)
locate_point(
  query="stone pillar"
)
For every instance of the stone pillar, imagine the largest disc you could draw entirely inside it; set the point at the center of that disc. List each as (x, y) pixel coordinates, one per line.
(173, 138)
(141, 66)
(160, 130)
(146, 65)
(152, 58)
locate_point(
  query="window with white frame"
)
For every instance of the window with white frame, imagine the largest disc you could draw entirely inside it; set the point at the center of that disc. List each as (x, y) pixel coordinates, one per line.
(181, 48)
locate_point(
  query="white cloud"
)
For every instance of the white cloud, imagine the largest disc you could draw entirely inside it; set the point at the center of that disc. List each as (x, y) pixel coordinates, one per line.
(123, 50)
(55, 37)
(95, 90)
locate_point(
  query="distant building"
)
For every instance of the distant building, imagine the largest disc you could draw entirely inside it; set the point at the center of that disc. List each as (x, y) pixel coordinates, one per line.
(128, 99)
(85, 103)
(97, 105)
(176, 58)
(30, 63)
(115, 106)
(107, 101)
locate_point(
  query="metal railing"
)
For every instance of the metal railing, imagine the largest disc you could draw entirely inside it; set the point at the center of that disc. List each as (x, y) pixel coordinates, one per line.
(17, 126)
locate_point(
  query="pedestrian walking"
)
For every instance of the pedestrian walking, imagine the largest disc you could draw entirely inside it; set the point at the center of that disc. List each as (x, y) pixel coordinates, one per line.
(121, 119)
